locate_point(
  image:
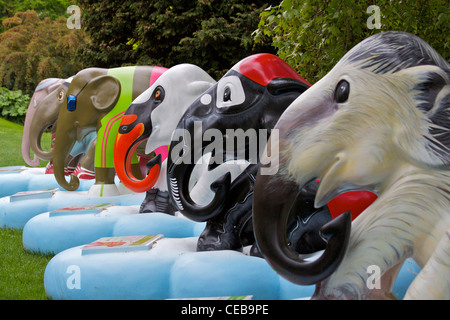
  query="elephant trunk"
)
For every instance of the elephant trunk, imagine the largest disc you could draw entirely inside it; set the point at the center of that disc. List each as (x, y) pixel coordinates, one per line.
(26, 143)
(181, 163)
(64, 142)
(274, 198)
(40, 122)
(125, 146)
(35, 143)
(178, 180)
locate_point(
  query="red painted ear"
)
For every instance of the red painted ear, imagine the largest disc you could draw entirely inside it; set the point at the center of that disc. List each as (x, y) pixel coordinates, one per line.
(264, 67)
(353, 201)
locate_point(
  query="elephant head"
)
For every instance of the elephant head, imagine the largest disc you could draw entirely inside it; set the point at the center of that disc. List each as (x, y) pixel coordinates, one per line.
(89, 96)
(95, 100)
(42, 117)
(248, 100)
(352, 131)
(153, 116)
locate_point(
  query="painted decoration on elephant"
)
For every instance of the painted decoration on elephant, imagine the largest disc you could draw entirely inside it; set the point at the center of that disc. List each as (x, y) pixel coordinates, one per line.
(249, 98)
(378, 122)
(91, 104)
(151, 118)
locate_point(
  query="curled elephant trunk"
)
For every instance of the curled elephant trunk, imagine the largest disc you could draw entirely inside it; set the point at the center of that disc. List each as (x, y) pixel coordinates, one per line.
(178, 176)
(130, 135)
(25, 147)
(64, 142)
(271, 210)
(182, 160)
(35, 145)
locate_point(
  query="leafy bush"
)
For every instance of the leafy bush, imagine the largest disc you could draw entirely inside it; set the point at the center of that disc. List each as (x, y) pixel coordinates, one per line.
(312, 35)
(212, 34)
(13, 105)
(33, 49)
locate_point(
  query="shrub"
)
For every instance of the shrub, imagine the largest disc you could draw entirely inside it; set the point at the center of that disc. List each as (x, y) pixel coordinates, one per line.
(32, 49)
(312, 35)
(13, 105)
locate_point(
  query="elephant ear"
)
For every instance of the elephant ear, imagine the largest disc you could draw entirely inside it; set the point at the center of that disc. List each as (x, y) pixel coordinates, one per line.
(432, 97)
(198, 87)
(104, 92)
(164, 125)
(279, 86)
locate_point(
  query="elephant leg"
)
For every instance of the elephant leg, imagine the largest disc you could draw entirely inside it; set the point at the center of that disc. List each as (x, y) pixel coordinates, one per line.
(157, 201)
(85, 169)
(72, 163)
(231, 231)
(88, 160)
(104, 175)
(104, 183)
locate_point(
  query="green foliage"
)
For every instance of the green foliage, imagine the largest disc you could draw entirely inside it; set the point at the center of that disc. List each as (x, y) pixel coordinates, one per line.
(312, 35)
(212, 34)
(32, 49)
(52, 9)
(13, 105)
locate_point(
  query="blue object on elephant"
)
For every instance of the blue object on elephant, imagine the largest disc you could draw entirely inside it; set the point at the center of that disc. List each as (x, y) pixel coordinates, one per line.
(71, 102)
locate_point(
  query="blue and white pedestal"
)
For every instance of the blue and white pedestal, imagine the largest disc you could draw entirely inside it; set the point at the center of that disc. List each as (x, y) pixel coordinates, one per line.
(16, 213)
(47, 233)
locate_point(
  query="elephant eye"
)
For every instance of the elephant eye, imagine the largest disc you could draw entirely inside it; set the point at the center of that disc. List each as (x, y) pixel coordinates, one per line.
(227, 94)
(159, 94)
(61, 95)
(230, 92)
(342, 91)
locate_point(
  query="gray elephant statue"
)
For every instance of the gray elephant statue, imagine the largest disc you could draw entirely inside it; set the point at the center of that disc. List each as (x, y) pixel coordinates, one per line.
(43, 89)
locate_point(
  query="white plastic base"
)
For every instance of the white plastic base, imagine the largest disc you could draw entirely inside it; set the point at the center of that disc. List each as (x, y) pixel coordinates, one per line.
(104, 190)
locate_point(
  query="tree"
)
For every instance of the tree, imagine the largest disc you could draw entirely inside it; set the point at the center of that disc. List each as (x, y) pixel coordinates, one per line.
(32, 49)
(312, 35)
(52, 9)
(212, 34)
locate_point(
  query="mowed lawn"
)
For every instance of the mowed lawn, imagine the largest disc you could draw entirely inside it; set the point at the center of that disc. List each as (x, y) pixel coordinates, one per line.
(21, 272)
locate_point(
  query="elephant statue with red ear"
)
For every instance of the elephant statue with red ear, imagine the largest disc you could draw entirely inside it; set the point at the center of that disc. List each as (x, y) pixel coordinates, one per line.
(95, 101)
(248, 99)
(377, 122)
(151, 118)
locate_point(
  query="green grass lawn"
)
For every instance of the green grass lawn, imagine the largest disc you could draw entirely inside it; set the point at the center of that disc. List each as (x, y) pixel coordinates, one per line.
(21, 272)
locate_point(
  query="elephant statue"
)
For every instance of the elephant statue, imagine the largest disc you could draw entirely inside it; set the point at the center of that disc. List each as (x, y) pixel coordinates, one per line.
(43, 89)
(41, 115)
(95, 100)
(245, 103)
(152, 117)
(378, 121)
